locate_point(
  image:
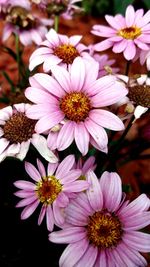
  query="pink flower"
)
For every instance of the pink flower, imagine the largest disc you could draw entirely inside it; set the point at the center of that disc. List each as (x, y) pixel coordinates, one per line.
(102, 228)
(17, 132)
(21, 21)
(126, 34)
(51, 189)
(85, 166)
(145, 58)
(57, 49)
(76, 96)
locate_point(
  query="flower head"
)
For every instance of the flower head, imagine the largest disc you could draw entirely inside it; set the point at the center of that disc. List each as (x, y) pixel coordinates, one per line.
(22, 22)
(76, 97)
(17, 132)
(51, 189)
(57, 49)
(125, 34)
(102, 228)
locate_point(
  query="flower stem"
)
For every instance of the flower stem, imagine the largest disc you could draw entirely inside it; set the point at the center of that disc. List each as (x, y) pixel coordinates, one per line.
(56, 23)
(127, 67)
(18, 55)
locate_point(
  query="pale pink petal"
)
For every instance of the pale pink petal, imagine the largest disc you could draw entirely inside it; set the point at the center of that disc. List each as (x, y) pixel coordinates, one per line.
(32, 171)
(40, 143)
(13, 149)
(104, 45)
(66, 135)
(103, 118)
(110, 184)
(7, 31)
(75, 39)
(101, 259)
(28, 211)
(70, 176)
(138, 16)
(137, 240)
(81, 138)
(103, 31)
(130, 50)
(62, 200)
(97, 132)
(101, 84)
(58, 214)
(41, 168)
(51, 168)
(94, 192)
(65, 165)
(36, 112)
(3, 144)
(24, 194)
(38, 95)
(53, 37)
(51, 61)
(136, 222)
(26, 201)
(25, 37)
(89, 257)
(62, 76)
(6, 113)
(49, 121)
(24, 147)
(73, 253)
(129, 16)
(77, 74)
(21, 184)
(75, 186)
(112, 22)
(141, 44)
(70, 235)
(144, 20)
(49, 218)
(42, 214)
(52, 140)
(36, 61)
(120, 46)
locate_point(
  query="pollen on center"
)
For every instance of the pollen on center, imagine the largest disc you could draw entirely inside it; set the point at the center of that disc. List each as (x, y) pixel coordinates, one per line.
(130, 32)
(67, 53)
(76, 106)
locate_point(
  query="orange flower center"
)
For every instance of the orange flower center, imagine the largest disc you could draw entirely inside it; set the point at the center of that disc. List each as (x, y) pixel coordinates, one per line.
(66, 52)
(130, 32)
(104, 230)
(76, 106)
(19, 128)
(48, 189)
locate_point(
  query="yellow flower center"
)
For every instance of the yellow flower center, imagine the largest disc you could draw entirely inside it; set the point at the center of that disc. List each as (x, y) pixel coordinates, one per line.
(67, 53)
(104, 230)
(140, 95)
(19, 128)
(130, 32)
(76, 106)
(48, 189)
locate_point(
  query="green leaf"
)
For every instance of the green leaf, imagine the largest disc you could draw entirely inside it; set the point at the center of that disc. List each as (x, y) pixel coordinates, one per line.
(120, 6)
(147, 3)
(9, 80)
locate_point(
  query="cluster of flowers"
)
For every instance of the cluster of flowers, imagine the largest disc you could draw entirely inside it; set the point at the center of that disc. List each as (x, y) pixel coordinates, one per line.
(71, 102)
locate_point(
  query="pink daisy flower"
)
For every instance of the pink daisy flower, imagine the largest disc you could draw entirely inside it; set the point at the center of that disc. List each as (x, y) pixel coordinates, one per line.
(125, 34)
(50, 188)
(76, 96)
(57, 49)
(85, 166)
(21, 21)
(102, 228)
(17, 132)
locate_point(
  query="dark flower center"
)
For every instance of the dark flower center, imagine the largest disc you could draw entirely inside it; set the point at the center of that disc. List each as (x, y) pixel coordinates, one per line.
(104, 230)
(66, 52)
(140, 95)
(19, 128)
(48, 189)
(76, 106)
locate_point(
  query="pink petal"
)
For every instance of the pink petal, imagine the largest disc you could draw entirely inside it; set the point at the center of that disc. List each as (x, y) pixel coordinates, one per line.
(53, 37)
(101, 259)
(137, 240)
(26, 201)
(130, 50)
(65, 165)
(41, 168)
(70, 176)
(36, 61)
(66, 135)
(76, 186)
(27, 212)
(77, 74)
(120, 46)
(32, 171)
(94, 192)
(49, 121)
(104, 45)
(3, 144)
(137, 221)
(49, 218)
(89, 257)
(25, 185)
(70, 235)
(42, 214)
(62, 200)
(111, 187)
(130, 16)
(58, 214)
(81, 138)
(112, 22)
(103, 118)
(73, 253)
(51, 168)
(62, 76)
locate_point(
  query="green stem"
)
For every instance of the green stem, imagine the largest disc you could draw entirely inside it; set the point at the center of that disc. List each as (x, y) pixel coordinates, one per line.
(18, 56)
(56, 23)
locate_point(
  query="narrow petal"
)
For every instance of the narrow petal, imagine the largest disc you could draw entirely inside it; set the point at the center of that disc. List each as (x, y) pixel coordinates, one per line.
(49, 218)
(137, 240)
(41, 168)
(94, 192)
(104, 45)
(42, 214)
(77, 74)
(89, 257)
(82, 138)
(28, 211)
(70, 176)
(130, 16)
(62, 76)
(32, 171)
(26, 201)
(76, 186)
(49, 121)
(130, 50)
(69, 235)
(66, 135)
(65, 165)
(21, 184)
(3, 144)
(58, 214)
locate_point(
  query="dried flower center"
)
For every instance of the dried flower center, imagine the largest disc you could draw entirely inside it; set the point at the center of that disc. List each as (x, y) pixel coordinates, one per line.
(76, 106)
(66, 52)
(57, 8)
(19, 128)
(130, 32)
(21, 17)
(104, 230)
(48, 189)
(140, 95)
